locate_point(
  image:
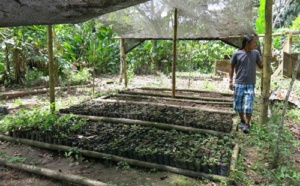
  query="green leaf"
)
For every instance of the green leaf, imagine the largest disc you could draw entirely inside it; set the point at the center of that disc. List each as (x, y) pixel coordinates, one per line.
(2, 68)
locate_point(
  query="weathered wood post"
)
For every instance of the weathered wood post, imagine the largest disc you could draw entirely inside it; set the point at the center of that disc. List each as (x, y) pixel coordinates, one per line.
(174, 54)
(51, 68)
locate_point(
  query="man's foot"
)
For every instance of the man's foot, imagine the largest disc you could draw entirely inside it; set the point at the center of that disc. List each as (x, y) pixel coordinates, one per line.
(241, 125)
(246, 128)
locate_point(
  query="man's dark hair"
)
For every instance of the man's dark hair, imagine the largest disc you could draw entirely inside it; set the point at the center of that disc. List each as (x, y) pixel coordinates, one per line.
(246, 39)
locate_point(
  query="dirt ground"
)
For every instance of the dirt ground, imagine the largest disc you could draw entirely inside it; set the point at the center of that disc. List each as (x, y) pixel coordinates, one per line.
(105, 171)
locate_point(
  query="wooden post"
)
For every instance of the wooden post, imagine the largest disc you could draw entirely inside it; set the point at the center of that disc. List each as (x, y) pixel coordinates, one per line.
(267, 54)
(174, 54)
(123, 61)
(51, 68)
(289, 44)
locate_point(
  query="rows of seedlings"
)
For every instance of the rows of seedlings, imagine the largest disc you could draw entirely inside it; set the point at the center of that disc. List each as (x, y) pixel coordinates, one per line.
(182, 92)
(196, 118)
(191, 151)
(170, 101)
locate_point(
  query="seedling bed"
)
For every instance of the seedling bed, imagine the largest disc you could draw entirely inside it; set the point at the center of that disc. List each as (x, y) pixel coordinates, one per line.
(182, 93)
(171, 101)
(191, 117)
(205, 153)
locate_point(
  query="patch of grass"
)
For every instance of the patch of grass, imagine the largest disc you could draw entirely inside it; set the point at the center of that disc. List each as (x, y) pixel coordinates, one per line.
(263, 139)
(123, 165)
(2, 154)
(16, 159)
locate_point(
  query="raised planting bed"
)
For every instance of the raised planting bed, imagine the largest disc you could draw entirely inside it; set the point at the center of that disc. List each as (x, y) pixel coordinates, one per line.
(182, 116)
(182, 93)
(206, 153)
(172, 101)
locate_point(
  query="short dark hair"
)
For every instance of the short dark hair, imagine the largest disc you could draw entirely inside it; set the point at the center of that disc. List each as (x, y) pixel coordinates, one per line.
(246, 39)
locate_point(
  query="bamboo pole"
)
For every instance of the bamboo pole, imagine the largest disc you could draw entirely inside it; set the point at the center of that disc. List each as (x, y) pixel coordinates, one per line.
(51, 68)
(174, 53)
(123, 60)
(180, 97)
(133, 162)
(187, 90)
(53, 174)
(159, 104)
(266, 60)
(168, 99)
(152, 124)
(14, 94)
(280, 130)
(234, 158)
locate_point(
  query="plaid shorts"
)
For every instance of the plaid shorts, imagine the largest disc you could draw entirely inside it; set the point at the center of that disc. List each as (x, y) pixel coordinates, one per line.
(243, 98)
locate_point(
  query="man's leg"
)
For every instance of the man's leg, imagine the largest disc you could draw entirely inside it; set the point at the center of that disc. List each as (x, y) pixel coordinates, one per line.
(248, 106)
(248, 118)
(242, 117)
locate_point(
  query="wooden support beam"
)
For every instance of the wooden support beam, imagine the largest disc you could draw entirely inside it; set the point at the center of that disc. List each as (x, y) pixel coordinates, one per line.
(51, 68)
(174, 54)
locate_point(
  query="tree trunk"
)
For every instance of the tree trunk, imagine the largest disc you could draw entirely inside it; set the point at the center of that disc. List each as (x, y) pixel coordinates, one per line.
(16, 61)
(51, 68)
(7, 59)
(280, 130)
(266, 60)
(53, 174)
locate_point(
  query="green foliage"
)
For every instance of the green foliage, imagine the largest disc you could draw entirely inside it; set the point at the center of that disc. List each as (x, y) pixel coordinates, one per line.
(74, 153)
(16, 159)
(42, 121)
(35, 77)
(263, 139)
(277, 42)
(296, 24)
(285, 176)
(287, 12)
(153, 56)
(123, 165)
(2, 69)
(260, 21)
(18, 102)
(80, 77)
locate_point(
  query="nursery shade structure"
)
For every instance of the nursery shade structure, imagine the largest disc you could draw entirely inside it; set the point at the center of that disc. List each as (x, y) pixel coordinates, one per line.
(45, 12)
(225, 20)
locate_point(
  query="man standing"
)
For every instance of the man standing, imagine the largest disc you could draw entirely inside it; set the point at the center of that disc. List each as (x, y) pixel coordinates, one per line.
(243, 63)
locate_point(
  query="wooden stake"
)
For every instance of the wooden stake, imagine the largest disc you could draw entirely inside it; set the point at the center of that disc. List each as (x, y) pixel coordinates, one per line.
(123, 60)
(51, 68)
(174, 54)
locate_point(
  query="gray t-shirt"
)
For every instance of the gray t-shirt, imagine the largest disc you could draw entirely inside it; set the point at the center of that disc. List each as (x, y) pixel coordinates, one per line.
(245, 66)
